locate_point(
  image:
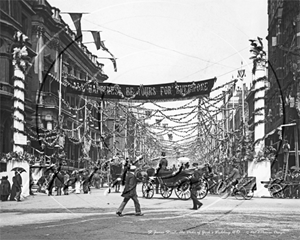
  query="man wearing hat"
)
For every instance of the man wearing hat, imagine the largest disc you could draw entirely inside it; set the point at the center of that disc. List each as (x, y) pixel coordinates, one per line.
(129, 192)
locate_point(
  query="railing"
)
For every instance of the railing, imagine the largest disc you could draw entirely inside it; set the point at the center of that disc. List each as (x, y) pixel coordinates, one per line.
(49, 99)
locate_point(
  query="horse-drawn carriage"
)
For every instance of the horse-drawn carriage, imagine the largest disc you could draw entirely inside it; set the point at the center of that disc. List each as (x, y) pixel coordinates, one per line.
(170, 181)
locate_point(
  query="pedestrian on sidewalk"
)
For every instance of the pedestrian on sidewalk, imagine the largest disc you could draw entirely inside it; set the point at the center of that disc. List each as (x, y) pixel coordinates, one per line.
(195, 185)
(4, 188)
(16, 187)
(129, 192)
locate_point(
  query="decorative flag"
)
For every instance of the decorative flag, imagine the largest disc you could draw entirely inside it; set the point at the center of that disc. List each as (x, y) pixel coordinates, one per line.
(158, 121)
(148, 113)
(76, 17)
(103, 46)
(114, 63)
(39, 59)
(231, 91)
(113, 59)
(241, 73)
(97, 39)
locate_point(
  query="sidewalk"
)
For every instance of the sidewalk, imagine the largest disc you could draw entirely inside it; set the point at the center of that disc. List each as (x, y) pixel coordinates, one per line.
(86, 202)
(72, 201)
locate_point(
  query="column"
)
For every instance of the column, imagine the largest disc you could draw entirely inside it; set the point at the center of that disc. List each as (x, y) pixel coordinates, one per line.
(21, 63)
(262, 169)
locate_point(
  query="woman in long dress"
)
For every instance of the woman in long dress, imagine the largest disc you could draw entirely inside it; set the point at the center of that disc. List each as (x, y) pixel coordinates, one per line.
(13, 189)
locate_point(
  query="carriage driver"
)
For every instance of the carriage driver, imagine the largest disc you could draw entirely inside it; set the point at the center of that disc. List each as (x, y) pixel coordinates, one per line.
(163, 163)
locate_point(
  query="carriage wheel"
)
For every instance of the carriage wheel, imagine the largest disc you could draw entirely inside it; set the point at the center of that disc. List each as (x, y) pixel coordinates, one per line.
(249, 194)
(240, 193)
(148, 190)
(219, 187)
(165, 191)
(201, 193)
(276, 190)
(183, 191)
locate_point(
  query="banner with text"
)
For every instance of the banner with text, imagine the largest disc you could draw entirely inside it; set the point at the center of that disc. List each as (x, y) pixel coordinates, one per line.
(157, 92)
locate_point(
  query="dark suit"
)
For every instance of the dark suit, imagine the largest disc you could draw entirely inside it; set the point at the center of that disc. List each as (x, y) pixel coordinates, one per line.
(195, 182)
(18, 186)
(130, 193)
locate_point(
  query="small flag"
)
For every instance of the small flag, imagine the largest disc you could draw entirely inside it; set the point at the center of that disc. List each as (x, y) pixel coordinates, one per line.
(241, 73)
(232, 89)
(148, 113)
(97, 39)
(114, 63)
(103, 46)
(39, 59)
(158, 121)
(76, 17)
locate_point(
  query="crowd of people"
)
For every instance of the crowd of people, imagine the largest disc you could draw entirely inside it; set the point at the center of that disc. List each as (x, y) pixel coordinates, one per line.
(56, 181)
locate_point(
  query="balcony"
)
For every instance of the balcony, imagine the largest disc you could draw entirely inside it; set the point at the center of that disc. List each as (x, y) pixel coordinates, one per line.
(47, 99)
(50, 100)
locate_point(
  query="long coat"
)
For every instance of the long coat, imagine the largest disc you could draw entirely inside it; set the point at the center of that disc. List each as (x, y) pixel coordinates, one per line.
(195, 181)
(130, 185)
(14, 189)
(5, 187)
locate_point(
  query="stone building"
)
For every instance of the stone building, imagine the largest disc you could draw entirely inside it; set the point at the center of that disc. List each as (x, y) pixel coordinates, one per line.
(283, 95)
(60, 59)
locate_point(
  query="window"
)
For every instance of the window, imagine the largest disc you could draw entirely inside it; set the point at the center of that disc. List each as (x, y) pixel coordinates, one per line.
(16, 12)
(4, 5)
(24, 23)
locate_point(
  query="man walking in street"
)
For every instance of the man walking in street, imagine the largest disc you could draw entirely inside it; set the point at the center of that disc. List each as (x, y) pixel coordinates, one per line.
(195, 185)
(130, 192)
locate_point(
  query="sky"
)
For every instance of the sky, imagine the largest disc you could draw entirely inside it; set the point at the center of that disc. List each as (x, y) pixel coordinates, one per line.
(161, 41)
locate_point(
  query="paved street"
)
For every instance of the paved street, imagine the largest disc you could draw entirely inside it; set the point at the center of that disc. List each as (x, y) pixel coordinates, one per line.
(93, 216)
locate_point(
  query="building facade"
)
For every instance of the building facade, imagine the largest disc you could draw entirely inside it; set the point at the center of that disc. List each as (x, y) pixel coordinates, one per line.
(282, 97)
(55, 120)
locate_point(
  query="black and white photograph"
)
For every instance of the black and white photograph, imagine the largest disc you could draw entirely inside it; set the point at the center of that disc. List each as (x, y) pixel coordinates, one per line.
(149, 119)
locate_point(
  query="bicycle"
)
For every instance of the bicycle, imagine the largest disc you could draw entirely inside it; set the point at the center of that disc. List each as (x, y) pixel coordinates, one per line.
(207, 187)
(239, 192)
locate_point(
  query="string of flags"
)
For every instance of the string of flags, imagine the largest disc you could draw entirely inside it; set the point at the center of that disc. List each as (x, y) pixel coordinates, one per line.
(76, 18)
